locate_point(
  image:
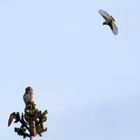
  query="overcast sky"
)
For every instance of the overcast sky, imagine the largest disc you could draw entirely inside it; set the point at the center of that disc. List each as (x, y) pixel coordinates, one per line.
(87, 78)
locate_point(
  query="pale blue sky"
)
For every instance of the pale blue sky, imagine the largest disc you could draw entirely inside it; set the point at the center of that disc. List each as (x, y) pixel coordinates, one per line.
(86, 77)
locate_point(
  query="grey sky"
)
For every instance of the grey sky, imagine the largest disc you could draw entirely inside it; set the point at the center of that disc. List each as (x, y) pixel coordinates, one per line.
(86, 77)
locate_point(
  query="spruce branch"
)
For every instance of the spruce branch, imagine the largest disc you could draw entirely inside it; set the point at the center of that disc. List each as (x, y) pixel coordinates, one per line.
(32, 121)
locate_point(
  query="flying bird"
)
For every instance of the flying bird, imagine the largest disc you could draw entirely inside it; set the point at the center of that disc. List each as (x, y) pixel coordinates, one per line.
(11, 118)
(28, 97)
(109, 20)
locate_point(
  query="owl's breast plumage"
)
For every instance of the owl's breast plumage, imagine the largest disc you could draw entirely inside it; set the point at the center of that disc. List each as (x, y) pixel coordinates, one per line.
(28, 98)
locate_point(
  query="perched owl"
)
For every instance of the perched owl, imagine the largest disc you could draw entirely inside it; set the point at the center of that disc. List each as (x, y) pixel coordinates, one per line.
(28, 97)
(109, 20)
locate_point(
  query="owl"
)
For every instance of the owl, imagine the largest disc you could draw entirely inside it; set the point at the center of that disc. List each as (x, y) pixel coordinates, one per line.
(28, 97)
(109, 20)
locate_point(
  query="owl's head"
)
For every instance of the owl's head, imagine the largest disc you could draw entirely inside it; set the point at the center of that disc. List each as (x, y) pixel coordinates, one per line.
(28, 89)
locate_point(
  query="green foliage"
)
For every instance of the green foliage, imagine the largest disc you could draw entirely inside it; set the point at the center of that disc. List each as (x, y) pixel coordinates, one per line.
(32, 121)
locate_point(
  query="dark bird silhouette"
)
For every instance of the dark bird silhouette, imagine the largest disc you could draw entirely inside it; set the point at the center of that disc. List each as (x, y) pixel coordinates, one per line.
(11, 118)
(109, 20)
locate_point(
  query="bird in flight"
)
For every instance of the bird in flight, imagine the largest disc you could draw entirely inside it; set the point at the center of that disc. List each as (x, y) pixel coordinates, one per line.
(109, 20)
(11, 118)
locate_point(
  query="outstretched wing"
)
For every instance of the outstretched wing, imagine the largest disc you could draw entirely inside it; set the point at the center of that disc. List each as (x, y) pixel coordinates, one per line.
(114, 28)
(11, 117)
(104, 14)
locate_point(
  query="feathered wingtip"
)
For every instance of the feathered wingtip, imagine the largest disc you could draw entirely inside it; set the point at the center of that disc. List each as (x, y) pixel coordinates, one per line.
(114, 28)
(11, 118)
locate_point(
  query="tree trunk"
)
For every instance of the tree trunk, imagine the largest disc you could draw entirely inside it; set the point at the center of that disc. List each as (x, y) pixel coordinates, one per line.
(31, 138)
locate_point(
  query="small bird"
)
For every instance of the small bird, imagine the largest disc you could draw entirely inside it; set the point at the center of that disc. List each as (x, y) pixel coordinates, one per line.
(109, 20)
(28, 97)
(11, 118)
